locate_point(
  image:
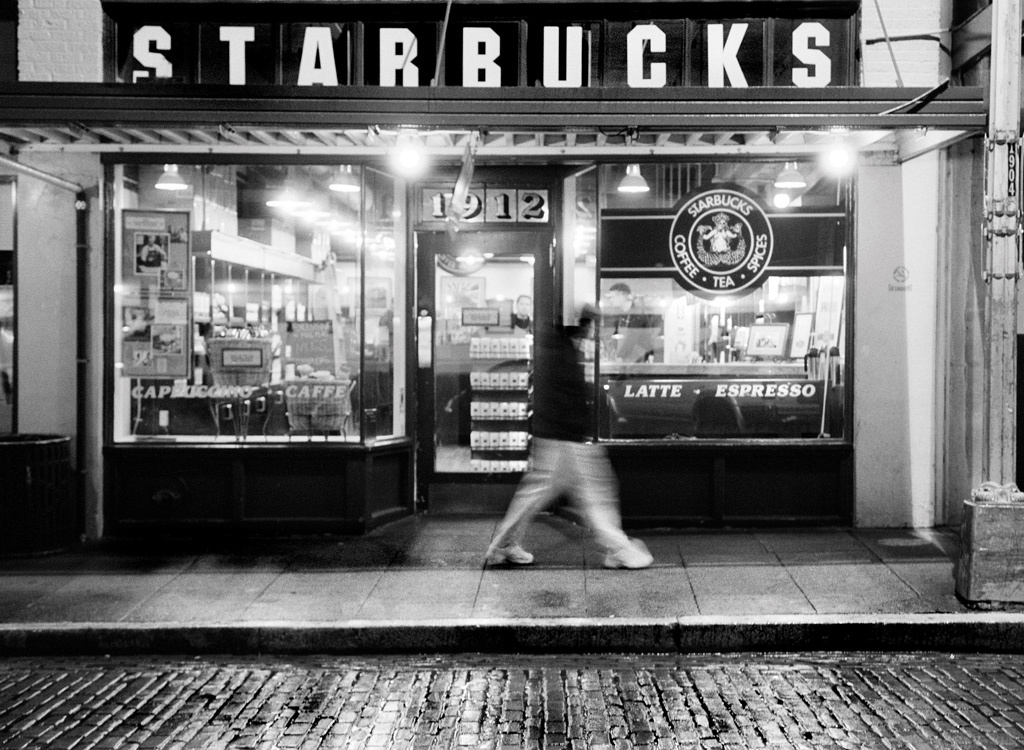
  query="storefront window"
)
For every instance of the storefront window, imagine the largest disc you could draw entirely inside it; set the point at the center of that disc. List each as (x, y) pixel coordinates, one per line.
(384, 334)
(7, 325)
(723, 291)
(239, 303)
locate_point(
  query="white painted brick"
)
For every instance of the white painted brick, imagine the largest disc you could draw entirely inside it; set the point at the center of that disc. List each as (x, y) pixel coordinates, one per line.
(60, 40)
(921, 63)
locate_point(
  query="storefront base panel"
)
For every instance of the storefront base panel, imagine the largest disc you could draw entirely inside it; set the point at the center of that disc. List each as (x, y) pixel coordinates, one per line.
(199, 491)
(701, 486)
(471, 497)
(721, 484)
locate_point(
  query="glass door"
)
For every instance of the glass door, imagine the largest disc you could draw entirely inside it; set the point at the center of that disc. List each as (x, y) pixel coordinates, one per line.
(482, 291)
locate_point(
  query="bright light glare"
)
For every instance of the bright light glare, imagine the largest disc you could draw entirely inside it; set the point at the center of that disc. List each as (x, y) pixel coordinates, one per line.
(839, 159)
(409, 157)
(781, 200)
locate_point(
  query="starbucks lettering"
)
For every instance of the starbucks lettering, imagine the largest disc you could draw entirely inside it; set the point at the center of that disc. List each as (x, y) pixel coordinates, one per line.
(572, 54)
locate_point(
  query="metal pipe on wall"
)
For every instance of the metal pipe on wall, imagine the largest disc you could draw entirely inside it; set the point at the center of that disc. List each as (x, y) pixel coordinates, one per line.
(82, 351)
(39, 174)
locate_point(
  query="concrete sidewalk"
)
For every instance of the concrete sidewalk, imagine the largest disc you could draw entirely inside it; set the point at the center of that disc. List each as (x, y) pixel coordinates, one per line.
(421, 584)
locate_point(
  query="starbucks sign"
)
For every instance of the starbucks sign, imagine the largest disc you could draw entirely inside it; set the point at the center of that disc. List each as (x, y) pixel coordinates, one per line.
(721, 242)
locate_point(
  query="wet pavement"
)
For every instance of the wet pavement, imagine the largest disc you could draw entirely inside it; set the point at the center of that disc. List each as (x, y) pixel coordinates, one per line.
(428, 568)
(925, 701)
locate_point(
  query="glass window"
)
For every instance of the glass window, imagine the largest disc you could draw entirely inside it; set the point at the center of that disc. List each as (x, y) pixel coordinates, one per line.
(7, 324)
(384, 334)
(722, 291)
(239, 303)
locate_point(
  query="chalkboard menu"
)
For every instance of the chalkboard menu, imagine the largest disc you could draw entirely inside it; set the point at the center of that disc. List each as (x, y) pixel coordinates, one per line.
(310, 343)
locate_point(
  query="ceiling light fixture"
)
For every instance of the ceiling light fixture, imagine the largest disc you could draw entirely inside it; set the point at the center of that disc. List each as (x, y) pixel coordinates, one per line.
(633, 182)
(839, 158)
(170, 179)
(344, 181)
(289, 199)
(409, 157)
(790, 178)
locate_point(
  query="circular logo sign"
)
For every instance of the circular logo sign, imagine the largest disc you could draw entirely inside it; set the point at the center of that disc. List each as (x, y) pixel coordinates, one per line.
(721, 242)
(460, 265)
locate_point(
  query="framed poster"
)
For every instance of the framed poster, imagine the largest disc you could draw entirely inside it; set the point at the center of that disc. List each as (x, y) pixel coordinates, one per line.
(239, 357)
(480, 316)
(803, 323)
(768, 340)
(309, 342)
(156, 309)
(378, 293)
(458, 292)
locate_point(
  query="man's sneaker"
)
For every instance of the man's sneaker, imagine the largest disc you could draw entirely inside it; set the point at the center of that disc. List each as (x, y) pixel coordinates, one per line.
(511, 553)
(634, 555)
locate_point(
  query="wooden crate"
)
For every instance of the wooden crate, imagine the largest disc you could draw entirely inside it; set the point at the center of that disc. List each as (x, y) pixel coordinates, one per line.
(990, 571)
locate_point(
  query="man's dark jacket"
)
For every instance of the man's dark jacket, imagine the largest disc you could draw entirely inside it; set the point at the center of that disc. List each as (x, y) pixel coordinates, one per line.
(560, 409)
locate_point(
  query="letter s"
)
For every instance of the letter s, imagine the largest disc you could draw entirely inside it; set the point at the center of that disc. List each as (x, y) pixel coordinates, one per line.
(818, 60)
(142, 42)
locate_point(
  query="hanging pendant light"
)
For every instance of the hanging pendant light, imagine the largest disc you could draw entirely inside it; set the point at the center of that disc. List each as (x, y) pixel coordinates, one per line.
(289, 198)
(344, 181)
(633, 182)
(170, 179)
(790, 178)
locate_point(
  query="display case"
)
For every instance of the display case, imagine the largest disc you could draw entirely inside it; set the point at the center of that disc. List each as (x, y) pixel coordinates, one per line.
(500, 406)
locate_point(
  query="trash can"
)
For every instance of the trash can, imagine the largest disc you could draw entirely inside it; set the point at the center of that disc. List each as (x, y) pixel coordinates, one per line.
(37, 503)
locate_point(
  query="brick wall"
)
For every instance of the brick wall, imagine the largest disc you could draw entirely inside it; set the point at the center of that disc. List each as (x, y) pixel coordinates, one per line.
(60, 40)
(921, 63)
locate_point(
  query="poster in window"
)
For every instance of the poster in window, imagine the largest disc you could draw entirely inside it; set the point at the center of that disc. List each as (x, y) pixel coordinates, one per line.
(168, 339)
(458, 292)
(803, 324)
(135, 322)
(768, 340)
(378, 292)
(151, 250)
(156, 323)
(172, 279)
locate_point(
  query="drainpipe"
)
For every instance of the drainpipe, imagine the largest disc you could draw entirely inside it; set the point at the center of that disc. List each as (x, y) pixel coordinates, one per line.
(1002, 228)
(82, 348)
(82, 324)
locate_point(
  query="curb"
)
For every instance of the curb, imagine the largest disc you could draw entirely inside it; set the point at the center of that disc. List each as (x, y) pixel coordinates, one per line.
(990, 633)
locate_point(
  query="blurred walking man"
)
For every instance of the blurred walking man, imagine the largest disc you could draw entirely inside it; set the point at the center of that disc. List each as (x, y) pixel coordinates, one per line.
(563, 462)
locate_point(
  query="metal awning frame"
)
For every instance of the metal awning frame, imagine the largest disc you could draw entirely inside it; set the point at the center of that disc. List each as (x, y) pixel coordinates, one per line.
(524, 124)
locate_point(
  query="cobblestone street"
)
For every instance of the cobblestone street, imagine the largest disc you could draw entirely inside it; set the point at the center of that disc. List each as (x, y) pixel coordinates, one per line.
(918, 701)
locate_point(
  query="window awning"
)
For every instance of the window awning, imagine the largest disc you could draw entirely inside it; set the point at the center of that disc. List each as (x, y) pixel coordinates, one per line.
(528, 123)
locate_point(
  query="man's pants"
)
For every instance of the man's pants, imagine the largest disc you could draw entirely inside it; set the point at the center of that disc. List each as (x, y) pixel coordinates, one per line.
(580, 470)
